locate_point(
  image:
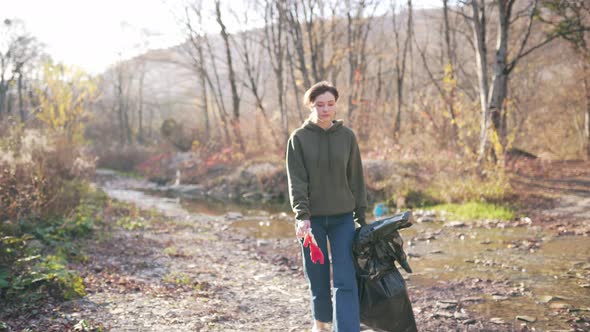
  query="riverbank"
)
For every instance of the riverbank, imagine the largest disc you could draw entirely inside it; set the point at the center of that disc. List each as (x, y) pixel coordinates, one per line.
(171, 265)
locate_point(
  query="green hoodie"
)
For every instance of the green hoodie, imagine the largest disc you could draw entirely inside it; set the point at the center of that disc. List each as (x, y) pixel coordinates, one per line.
(325, 172)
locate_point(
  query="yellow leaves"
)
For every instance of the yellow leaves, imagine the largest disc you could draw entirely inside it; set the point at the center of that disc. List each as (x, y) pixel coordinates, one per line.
(449, 81)
(62, 95)
(496, 143)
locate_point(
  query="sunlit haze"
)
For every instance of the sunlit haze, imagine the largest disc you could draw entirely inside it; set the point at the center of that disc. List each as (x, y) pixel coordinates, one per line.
(93, 34)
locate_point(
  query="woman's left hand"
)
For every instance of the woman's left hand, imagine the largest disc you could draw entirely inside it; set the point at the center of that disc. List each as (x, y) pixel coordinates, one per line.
(303, 227)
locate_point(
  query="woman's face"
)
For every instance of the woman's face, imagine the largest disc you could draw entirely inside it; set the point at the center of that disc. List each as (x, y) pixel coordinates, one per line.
(323, 109)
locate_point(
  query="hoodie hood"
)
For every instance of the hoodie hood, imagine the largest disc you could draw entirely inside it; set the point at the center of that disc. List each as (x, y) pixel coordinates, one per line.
(336, 124)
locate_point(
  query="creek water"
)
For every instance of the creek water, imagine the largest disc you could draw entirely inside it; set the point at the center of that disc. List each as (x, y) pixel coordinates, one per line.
(549, 275)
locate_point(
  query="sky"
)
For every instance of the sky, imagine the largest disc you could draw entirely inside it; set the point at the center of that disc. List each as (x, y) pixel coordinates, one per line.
(92, 34)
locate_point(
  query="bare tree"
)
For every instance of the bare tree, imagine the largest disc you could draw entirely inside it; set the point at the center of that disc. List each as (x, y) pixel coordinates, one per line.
(494, 92)
(274, 43)
(251, 56)
(291, 12)
(450, 72)
(232, 79)
(400, 60)
(195, 50)
(358, 26)
(121, 86)
(316, 36)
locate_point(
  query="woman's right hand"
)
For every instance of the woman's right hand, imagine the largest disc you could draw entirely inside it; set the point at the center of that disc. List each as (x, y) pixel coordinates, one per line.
(302, 228)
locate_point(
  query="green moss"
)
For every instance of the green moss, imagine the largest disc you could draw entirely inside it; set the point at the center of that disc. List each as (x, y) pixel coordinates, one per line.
(477, 211)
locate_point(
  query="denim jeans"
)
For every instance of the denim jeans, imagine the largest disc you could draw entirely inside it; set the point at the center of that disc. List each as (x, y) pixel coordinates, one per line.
(339, 230)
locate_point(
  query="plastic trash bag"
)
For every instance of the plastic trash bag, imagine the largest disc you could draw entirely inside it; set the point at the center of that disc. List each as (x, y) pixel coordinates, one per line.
(383, 297)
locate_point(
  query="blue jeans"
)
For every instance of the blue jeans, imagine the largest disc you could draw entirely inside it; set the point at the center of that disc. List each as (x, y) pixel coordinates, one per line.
(339, 230)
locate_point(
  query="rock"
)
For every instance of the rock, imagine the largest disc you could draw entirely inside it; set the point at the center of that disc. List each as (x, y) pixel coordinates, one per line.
(545, 299)
(456, 224)
(425, 219)
(442, 314)
(252, 195)
(585, 285)
(460, 315)
(472, 299)
(447, 306)
(261, 242)
(497, 320)
(528, 319)
(469, 321)
(233, 216)
(500, 297)
(559, 305)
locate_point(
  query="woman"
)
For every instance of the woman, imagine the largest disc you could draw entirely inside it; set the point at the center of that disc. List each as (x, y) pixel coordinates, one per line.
(327, 194)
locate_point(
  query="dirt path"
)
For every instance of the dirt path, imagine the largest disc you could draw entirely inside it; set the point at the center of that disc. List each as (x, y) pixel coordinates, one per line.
(557, 195)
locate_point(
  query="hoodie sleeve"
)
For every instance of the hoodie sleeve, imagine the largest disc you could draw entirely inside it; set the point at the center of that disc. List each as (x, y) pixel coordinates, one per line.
(297, 180)
(356, 182)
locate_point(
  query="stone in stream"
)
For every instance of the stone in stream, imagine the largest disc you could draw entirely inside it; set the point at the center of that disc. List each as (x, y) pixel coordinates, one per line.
(559, 306)
(497, 320)
(425, 219)
(548, 298)
(442, 314)
(460, 315)
(472, 299)
(233, 216)
(454, 224)
(447, 306)
(527, 319)
(500, 297)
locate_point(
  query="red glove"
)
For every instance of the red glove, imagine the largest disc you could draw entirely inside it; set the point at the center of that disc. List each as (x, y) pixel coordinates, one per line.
(314, 251)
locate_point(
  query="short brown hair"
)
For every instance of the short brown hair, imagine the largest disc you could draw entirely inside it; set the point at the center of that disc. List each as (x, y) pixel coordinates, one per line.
(318, 89)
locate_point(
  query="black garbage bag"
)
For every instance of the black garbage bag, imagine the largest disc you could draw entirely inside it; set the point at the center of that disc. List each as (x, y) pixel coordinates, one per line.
(383, 297)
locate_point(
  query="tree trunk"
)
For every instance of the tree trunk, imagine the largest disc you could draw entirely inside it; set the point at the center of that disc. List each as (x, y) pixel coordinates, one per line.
(119, 94)
(479, 31)
(3, 88)
(400, 66)
(500, 79)
(450, 74)
(218, 93)
(294, 81)
(140, 137)
(294, 28)
(274, 26)
(205, 106)
(232, 80)
(586, 67)
(21, 106)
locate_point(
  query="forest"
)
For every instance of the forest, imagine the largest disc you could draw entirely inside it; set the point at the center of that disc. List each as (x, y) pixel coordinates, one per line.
(135, 197)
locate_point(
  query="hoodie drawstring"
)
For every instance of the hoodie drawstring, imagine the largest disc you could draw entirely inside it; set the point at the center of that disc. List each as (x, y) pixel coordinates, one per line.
(324, 136)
